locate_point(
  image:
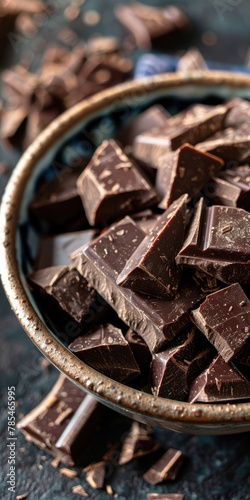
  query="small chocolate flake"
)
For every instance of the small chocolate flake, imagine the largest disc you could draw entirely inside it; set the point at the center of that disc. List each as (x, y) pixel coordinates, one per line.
(68, 472)
(226, 229)
(109, 489)
(230, 308)
(62, 417)
(242, 303)
(22, 497)
(78, 489)
(55, 463)
(166, 467)
(95, 475)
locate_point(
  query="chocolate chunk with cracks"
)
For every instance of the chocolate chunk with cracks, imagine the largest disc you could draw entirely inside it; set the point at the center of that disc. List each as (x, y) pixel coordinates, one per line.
(151, 269)
(112, 185)
(173, 370)
(105, 349)
(137, 443)
(158, 321)
(224, 317)
(218, 243)
(185, 171)
(155, 116)
(221, 381)
(139, 348)
(166, 468)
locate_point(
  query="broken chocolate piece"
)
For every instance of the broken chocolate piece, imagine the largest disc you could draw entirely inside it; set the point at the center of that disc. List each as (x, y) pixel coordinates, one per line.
(111, 185)
(192, 60)
(95, 474)
(232, 145)
(166, 468)
(155, 116)
(151, 26)
(62, 422)
(139, 348)
(108, 71)
(157, 321)
(218, 243)
(224, 317)
(239, 112)
(231, 188)
(221, 381)
(151, 269)
(105, 349)
(173, 370)
(191, 126)
(185, 171)
(137, 443)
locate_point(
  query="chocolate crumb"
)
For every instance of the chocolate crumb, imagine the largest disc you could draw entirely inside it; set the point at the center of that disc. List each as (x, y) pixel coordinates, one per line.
(68, 472)
(78, 489)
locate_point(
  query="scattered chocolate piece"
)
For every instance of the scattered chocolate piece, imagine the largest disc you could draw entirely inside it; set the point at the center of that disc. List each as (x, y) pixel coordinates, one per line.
(111, 185)
(218, 243)
(109, 490)
(155, 116)
(12, 10)
(68, 472)
(151, 269)
(102, 45)
(224, 317)
(61, 424)
(105, 349)
(185, 171)
(55, 463)
(192, 60)
(139, 348)
(137, 443)
(151, 26)
(95, 474)
(78, 490)
(165, 496)
(190, 126)
(173, 370)
(112, 70)
(221, 381)
(166, 468)
(157, 321)
(22, 497)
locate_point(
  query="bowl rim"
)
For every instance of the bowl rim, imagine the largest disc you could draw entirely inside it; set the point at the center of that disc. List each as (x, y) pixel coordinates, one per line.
(87, 378)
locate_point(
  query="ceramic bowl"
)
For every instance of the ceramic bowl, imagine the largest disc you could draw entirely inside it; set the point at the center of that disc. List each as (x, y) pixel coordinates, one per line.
(80, 128)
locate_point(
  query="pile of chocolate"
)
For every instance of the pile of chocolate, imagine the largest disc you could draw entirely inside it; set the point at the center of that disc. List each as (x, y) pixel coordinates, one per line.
(154, 288)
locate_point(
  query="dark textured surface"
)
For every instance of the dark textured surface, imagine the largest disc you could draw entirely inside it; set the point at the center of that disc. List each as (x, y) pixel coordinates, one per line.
(215, 468)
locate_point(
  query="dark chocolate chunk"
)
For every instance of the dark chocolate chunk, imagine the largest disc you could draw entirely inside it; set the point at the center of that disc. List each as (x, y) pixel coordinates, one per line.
(56, 250)
(173, 370)
(231, 188)
(232, 145)
(112, 185)
(224, 317)
(68, 288)
(151, 269)
(145, 220)
(166, 468)
(137, 443)
(165, 496)
(218, 243)
(106, 71)
(139, 348)
(95, 474)
(63, 421)
(105, 349)
(192, 60)
(191, 126)
(157, 321)
(151, 26)
(221, 381)
(239, 112)
(185, 171)
(155, 116)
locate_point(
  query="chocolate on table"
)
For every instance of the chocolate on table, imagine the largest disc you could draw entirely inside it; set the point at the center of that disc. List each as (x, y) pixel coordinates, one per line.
(158, 321)
(105, 349)
(165, 496)
(192, 60)
(95, 474)
(173, 370)
(139, 348)
(155, 116)
(137, 443)
(224, 317)
(166, 468)
(221, 381)
(151, 269)
(185, 171)
(111, 185)
(191, 126)
(62, 423)
(218, 243)
(151, 26)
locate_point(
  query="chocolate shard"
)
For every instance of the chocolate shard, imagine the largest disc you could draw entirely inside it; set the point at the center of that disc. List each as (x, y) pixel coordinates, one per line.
(62, 423)
(192, 60)
(224, 317)
(105, 349)
(185, 171)
(191, 126)
(139, 348)
(231, 188)
(151, 26)
(95, 474)
(221, 381)
(157, 321)
(165, 496)
(239, 112)
(56, 250)
(173, 370)
(155, 116)
(151, 269)
(57, 201)
(137, 443)
(68, 288)
(112, 186)
(230, 144)
(166, 468)
(218, 243)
